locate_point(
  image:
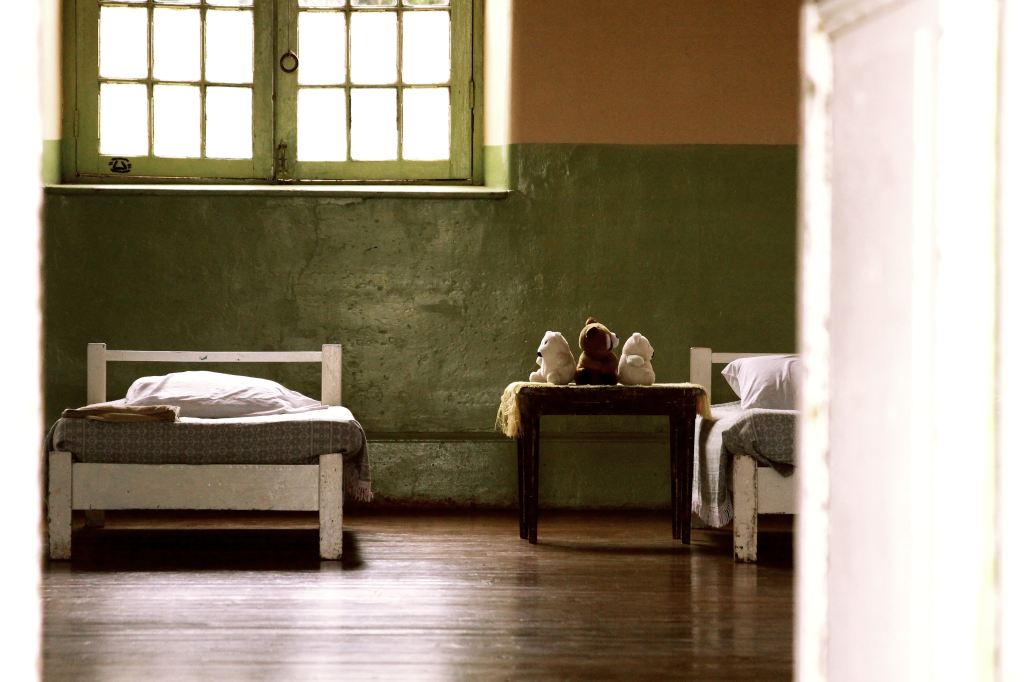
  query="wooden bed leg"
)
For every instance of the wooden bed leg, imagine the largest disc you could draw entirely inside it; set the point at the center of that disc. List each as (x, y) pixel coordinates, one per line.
(331, 502)
(95, 518)
(744, 503)
(58, 506)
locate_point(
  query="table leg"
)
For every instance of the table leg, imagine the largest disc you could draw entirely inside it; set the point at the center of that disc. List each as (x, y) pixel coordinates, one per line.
(673, 457)
(521, 491)
(689, 423)
(675, 448)
(533, 474)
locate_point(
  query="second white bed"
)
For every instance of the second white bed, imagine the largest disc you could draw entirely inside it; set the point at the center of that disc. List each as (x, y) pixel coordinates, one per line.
(744, 460)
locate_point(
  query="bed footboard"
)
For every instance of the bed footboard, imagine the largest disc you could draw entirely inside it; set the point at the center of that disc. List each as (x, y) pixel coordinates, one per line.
(95, 487)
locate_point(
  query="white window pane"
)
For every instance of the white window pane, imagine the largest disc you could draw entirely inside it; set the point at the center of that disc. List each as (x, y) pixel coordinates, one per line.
(228, 46)
(374, 3)
(374, 47)
(425, 47)
(321, 48)
(123, 42)
(230, 3)
(176, 121)
(229, 123)
(425, 124)
(177, 2)
(321, 123)
(322, 3)
(425, 3)
(176, 44)
(124, 119)
(374, 130)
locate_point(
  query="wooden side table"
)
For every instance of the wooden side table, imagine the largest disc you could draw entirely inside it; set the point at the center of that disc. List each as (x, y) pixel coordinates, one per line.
(677, 401)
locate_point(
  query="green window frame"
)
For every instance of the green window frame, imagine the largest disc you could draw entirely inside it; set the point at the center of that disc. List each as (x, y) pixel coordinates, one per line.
(278, 91)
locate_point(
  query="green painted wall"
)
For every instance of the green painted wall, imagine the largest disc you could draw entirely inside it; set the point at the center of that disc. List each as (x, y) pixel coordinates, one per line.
(50, 161)
(440, 303)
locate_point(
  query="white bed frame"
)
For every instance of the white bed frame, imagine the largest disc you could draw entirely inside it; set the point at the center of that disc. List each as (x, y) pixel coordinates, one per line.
(755, 490)
(95, 488)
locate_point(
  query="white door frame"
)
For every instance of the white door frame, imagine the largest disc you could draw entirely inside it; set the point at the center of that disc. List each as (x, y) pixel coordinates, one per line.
(964, 511)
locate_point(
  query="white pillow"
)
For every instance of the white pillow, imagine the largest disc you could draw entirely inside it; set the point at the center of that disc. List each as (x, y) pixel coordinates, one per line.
(213, 395)
(766, 381)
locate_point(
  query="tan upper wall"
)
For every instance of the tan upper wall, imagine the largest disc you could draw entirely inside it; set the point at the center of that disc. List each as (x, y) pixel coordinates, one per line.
(654, 72)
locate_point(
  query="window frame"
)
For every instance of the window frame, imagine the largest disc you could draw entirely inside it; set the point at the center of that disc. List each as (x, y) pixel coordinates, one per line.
(274, 113)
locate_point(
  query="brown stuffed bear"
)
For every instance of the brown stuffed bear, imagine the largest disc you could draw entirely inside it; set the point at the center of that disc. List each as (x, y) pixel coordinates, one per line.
(598, 364)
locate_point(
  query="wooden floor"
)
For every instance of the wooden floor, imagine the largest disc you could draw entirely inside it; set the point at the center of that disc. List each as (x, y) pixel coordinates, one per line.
(443, 596)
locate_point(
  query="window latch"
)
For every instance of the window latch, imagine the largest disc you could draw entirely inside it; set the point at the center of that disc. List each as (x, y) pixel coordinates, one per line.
(289, 61)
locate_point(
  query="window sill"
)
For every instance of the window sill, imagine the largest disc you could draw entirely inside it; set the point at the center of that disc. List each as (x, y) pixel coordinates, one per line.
(353, 191)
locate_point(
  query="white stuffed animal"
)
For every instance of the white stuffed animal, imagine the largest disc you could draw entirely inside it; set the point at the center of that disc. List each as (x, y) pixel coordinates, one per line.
(557, 364)
(635, 363)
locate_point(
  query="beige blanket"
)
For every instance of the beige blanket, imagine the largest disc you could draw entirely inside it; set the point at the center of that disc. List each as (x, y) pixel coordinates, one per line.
(507, 419)
(115, 412)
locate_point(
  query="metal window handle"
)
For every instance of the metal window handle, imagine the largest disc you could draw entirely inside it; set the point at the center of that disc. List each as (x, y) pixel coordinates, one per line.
(289, 61)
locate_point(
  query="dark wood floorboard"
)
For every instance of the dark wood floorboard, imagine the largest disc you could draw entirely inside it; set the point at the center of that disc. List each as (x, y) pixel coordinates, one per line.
(427, 596)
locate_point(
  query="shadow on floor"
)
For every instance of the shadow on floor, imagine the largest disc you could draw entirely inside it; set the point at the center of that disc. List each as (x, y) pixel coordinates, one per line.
(773, 548)
(168, 549)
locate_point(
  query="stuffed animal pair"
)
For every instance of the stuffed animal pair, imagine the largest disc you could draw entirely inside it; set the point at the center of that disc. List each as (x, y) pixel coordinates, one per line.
(597, 364)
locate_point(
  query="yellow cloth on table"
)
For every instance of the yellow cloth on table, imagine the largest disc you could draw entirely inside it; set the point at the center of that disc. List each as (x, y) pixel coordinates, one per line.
(507, 419)
(114, 412)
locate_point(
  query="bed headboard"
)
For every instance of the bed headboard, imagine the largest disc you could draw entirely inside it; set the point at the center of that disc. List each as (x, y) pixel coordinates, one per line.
(98, 356)
(701, 360)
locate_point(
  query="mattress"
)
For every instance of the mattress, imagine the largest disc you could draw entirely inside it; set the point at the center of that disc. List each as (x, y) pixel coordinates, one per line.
(769, 436)
(279, 439)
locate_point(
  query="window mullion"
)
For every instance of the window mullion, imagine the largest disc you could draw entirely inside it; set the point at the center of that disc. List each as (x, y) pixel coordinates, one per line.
(151, 123)
(202, 81)
(399, 91)
(461, 84)
(285, 91)
(348, 84)
(263, 106)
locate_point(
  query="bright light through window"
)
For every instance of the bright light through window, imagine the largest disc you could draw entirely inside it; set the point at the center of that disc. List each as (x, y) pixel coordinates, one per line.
(294, 89)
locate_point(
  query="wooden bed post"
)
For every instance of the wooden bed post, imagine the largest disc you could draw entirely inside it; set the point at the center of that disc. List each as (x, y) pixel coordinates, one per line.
(96, 373)
(330, 374)
(332, 484)
(58, 505)
(95, 392)
(744, 504)
(331, 503)
(700, 369)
